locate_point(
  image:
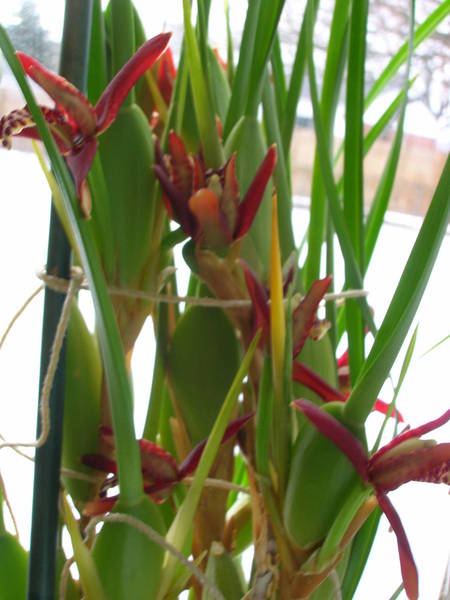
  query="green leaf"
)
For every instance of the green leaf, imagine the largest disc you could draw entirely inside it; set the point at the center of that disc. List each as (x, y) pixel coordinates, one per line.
(268, 18)
(97, 60)
(115, 371)
(404, 369)
(264, 417)
(209, 136)
(181, 525)
(279, 79)
(353, 172)
(361, 547)
(202, 362)
(383, 192)
(273, 134)
(334, 69)
(404, 304)
(296, 80)
(239, 93)
(355, 279)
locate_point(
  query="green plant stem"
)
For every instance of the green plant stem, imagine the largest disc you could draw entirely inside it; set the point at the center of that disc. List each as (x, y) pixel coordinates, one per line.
(128, 459)
(44, 520)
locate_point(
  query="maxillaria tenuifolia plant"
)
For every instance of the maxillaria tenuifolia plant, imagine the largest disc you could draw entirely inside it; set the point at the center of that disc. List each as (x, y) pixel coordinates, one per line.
(255, 434)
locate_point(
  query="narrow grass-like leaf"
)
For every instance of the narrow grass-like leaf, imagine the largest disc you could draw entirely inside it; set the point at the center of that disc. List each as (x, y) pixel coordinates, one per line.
(383, 192)
(90, 581)
(279, 78)
(97, 60)
(355, 279)
(434, 346)
(273, 134)
(179, 530)
(239, 93)
(421, 33)
(57, 199)
(268, 18)
(404, 304)
(151, 427)
(331, 310)
(360, 553)
(115, 371)
(123, 40)
(296, 81)
(264, 418)
(354, 500)
(353, 173)
(206, 121)
(334, 68)
(404, 369)
(230, 58)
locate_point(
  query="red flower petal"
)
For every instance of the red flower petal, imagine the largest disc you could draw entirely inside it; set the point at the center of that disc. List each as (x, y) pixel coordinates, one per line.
(229, 203)
(331, 428)
(304, 315)
(79, 163)
(99, 506)
(384, 408)
(417, 432)
(178, 201)
(181, 167)
(63, 93)
(118, 88)
(306, 376)
(157, 464)
(190, 463)
(166, 75)
(259, 297)
(407, 564)
(100, 463)
(252, 199)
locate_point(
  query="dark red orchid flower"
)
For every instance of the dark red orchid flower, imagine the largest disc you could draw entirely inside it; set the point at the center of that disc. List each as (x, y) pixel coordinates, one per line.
(74, 122)
(305, 325)
(159, 468)
(205, 202)
(304, 321)
(406, 458)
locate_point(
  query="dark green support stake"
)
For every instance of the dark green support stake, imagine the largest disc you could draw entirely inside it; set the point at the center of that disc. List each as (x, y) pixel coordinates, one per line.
(44, 525)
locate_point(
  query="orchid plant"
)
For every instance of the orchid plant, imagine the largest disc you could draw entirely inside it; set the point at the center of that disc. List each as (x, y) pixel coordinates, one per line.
(254, 436)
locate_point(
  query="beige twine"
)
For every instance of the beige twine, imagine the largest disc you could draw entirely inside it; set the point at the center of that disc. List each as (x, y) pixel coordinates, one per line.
(44, 409)
(61, 285)
(70, 288)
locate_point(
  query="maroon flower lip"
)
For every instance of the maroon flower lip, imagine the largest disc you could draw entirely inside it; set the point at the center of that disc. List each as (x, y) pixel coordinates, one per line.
(406, 458)
(159, 468)
(74, 122)
(206, 202)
